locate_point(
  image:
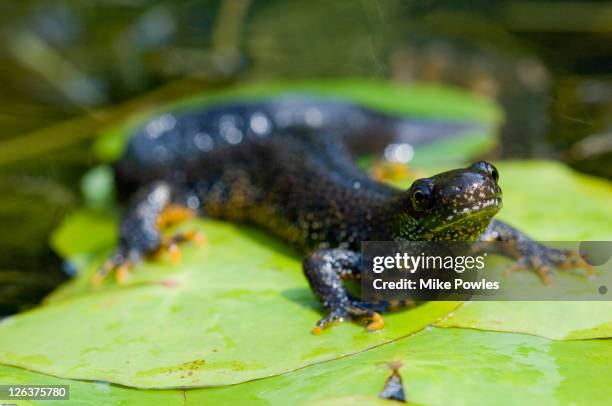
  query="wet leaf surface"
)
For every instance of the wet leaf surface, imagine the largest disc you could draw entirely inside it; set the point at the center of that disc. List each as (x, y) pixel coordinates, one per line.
(440, 367)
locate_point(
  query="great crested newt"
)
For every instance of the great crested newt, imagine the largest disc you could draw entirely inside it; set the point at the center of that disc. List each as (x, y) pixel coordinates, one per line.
(285, 165)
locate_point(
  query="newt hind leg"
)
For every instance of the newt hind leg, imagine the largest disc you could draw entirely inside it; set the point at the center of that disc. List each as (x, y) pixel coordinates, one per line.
(153, 209)
(171, 215)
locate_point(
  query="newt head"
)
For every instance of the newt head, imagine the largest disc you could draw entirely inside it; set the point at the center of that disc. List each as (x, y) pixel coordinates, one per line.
(457, 205)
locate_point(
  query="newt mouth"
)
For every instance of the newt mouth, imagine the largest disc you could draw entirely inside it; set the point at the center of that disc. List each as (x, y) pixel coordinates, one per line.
(483, 209)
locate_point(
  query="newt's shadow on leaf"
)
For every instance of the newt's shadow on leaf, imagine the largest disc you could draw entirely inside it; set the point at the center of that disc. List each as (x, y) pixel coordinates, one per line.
(269, 241)
(303, 297)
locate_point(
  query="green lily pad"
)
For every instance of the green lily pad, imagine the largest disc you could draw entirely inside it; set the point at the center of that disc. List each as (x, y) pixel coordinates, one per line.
(558, 320)
(99, 227)
(88, 393)
(552, 202)
(439, 366)
(208, 322)
(445, 366)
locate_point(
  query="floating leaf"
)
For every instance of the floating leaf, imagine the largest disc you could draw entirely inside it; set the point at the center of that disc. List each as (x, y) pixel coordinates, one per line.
(552, 202)
(84, 232)
(444, 366)
(88, 393)
(209, 322)
(439, 366)
(558, 320)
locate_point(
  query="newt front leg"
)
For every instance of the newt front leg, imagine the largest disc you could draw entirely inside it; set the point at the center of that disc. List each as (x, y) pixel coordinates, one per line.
(531, 255)
(326, 270)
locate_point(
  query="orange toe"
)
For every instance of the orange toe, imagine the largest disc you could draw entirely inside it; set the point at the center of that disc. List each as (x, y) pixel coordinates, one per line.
(175, 254)
(199, 238)
(97, 279)
(121, 273)
(545, 275)
(376, 324)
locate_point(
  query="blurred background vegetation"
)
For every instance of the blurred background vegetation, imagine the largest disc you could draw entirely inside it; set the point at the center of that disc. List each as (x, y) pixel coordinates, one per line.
(69, 67)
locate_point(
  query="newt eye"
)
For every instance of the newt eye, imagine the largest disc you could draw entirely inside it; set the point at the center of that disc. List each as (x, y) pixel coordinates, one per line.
(484, 166)
(494, 173)
(421, 195)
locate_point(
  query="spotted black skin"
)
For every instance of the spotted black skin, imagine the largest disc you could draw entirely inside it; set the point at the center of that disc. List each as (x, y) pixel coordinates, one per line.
(285, 165)
(169, 141)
